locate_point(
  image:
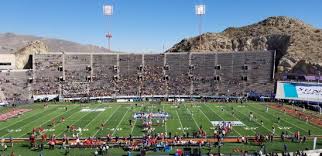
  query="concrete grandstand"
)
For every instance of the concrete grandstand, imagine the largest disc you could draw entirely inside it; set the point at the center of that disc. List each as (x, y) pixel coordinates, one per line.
(167, 75)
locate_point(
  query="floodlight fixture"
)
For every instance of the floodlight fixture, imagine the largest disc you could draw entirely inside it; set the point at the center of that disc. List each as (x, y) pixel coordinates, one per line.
(108, 10)
(200, 10)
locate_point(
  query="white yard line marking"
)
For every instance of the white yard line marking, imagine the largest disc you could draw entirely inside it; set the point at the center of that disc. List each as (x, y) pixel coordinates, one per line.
(22, 120)
(65, 119)
(108, 119)
(244, 123)
(192, 116)
(93, 119)
(271, 121)
(77, 120)
(255, 121)
(222, 119)
(135, 122)
(180, 121)
(32, 122)
(55, 118)
(165, 122)
(282, 120)
(59, 115)
(205, 116)
(120, 121)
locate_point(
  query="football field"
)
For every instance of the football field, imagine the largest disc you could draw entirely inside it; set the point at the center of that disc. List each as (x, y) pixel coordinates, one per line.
(183, 118)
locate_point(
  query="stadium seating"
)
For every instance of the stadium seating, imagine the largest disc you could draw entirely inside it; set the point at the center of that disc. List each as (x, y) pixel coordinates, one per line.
(129, 83)
(73, 75)
(104, 70)
(203, 71)
(16, 85)
(153, 81)
(77, 70)
(47, 73)
(179, 82)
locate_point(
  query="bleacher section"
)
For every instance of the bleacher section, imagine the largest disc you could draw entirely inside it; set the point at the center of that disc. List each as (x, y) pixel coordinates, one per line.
(16, 85)
(260, 69)
(178, 74)
(203, 71)
(153, 76)
(103, 81)
(74, 75)
(129, 82)
(77, 68)
(48, 69)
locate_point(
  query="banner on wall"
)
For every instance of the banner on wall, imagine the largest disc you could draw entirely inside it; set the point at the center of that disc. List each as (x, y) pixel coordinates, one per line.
(299, 91)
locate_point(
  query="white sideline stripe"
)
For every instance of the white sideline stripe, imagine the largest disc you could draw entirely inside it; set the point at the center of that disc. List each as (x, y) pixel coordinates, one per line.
(135, 122)
(77, 120)
(108, 119)
(180, 121)
(31, 123)
(120, 121)
(223, 119)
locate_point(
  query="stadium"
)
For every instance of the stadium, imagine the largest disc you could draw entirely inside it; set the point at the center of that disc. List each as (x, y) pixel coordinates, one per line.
(185, 103)
(132, 101)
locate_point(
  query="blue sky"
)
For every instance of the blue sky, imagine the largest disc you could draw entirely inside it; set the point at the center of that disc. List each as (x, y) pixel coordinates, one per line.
(143, 25)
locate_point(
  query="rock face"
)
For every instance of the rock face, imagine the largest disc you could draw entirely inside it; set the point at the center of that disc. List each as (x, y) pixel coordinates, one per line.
(24, 55)
(298, 45)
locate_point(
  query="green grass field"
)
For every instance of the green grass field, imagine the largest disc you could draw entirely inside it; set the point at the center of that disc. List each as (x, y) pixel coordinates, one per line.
(185, 118)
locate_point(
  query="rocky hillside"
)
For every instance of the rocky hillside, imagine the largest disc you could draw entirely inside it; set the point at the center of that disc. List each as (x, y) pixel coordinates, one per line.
(10, 42)
(24, 55)
(298, 45)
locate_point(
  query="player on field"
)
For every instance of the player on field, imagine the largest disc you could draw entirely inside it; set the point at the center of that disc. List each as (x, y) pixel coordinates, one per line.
(102, 126)
(251, 116)
(130, 122)
(53, 122)
(278, 119)
(273, 130)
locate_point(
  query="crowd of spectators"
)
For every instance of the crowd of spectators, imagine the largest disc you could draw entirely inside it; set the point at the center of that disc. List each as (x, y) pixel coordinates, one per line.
(154, 74)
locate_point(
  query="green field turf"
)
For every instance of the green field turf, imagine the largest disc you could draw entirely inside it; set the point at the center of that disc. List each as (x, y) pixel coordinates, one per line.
(185, 118)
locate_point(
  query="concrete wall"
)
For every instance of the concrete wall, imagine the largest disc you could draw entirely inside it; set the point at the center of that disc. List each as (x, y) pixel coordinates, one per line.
(7, 59)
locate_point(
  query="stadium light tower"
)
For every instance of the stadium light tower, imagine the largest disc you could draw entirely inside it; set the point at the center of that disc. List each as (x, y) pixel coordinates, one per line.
(108, 11)
(319, 73)
(200, 10)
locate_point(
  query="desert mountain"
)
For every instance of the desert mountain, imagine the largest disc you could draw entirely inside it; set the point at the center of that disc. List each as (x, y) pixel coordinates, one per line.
(298, 45)
(10, 42)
